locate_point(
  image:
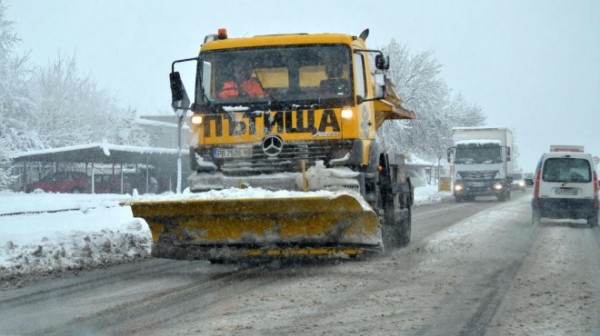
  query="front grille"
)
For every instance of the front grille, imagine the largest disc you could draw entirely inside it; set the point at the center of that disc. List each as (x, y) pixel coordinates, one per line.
(478, 175)
(289, 160)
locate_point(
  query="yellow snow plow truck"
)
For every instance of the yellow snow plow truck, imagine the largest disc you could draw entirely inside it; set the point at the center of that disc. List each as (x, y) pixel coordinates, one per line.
(296, 117)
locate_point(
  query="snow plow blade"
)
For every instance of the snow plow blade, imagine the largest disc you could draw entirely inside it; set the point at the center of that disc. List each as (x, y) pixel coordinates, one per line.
(236, 229)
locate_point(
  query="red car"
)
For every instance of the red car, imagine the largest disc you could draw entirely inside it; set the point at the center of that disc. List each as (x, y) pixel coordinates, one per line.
(111, 184)
(62, 182)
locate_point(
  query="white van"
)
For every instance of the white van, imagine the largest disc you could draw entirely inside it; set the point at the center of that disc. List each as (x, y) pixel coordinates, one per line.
(565, 186)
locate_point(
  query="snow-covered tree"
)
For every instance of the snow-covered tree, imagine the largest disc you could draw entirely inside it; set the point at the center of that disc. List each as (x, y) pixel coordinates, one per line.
(14, 101)
(463, 114)
(417, 80)
(70, 108)
(53, 106)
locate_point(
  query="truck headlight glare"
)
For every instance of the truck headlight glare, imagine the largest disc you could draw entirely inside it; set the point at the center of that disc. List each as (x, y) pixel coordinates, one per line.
(458, 187)
(347, 113)
(196, 120)
(498, 186)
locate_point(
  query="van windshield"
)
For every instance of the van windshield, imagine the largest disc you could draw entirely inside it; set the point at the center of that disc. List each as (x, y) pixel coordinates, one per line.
(567, 170)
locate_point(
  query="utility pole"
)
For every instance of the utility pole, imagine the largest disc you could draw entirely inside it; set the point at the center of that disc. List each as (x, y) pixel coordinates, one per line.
(180, 115)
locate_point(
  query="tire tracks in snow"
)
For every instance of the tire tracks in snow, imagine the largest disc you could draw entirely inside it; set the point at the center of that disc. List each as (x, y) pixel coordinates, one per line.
(473, 304)
(159, 311)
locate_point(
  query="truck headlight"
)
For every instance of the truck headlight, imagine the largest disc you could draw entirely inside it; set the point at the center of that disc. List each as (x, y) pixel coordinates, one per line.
(196, 120)
(458, 187)
(498, 186)
(347, 113)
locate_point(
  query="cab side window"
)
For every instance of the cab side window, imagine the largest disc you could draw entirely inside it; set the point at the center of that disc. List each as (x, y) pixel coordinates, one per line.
(359, 70)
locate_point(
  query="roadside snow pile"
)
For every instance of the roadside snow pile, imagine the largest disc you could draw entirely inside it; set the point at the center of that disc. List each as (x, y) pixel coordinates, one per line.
(46, 233)
(77, 250)
(429, 194)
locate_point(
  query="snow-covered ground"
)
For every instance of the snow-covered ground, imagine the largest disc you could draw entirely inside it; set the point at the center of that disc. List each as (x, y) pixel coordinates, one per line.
(46, 232)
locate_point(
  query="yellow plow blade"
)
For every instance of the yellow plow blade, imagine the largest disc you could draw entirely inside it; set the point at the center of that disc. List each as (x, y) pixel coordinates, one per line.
(230, 229)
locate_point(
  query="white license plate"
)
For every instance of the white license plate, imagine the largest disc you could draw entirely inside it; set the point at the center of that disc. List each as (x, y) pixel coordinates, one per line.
(477, 184)
(220, 153)
(566, 191)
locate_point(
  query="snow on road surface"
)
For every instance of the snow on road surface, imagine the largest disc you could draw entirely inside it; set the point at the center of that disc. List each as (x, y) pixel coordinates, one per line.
(47, 232)
(505, 276)
(557, 289)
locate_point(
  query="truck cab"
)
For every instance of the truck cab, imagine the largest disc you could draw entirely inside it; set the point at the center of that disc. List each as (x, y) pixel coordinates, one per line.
(315, 99)
(482, 162)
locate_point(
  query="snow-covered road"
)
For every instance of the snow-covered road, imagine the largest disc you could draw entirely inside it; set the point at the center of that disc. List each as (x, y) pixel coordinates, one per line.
(491, 273)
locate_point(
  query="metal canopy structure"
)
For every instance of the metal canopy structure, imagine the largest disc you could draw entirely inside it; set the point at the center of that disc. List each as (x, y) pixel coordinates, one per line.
(101, 153)
(164, 159)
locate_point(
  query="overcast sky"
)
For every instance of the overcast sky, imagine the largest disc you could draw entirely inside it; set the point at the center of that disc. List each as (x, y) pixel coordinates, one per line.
(531, 65)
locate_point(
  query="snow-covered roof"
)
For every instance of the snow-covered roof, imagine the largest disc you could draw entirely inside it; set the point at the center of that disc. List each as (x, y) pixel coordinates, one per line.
(417, 161)
(98, 152)
(481, 128)
(479, 142)
(156, 123)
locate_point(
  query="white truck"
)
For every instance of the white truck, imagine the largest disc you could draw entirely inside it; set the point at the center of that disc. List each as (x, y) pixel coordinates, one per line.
(481, 158)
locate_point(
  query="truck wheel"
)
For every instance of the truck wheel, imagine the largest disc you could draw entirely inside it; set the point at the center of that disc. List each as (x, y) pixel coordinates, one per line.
(397, 221)
(535, 217)
(593, 221)
(404, 229)
(396, 231)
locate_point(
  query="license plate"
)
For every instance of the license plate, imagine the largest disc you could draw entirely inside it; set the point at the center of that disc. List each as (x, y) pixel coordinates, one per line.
(566, 191)
(477, 184)
(221, 153)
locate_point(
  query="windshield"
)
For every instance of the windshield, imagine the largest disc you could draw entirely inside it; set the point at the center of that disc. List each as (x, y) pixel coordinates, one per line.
(314, 73)
(477, 154)
(567, 170)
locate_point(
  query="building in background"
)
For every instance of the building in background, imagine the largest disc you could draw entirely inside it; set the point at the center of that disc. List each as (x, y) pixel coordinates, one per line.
(148, 169)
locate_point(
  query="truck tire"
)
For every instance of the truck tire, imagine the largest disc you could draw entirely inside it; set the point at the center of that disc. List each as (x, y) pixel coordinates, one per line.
(535, 217)
(405, 228)
(593, 221)
(407, 204)
(396, 231)
(397, 221)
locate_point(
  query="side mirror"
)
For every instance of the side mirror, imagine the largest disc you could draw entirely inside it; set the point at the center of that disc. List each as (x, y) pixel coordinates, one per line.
(449, 154)
(382, 63)
(379, 79)
(179, 98)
